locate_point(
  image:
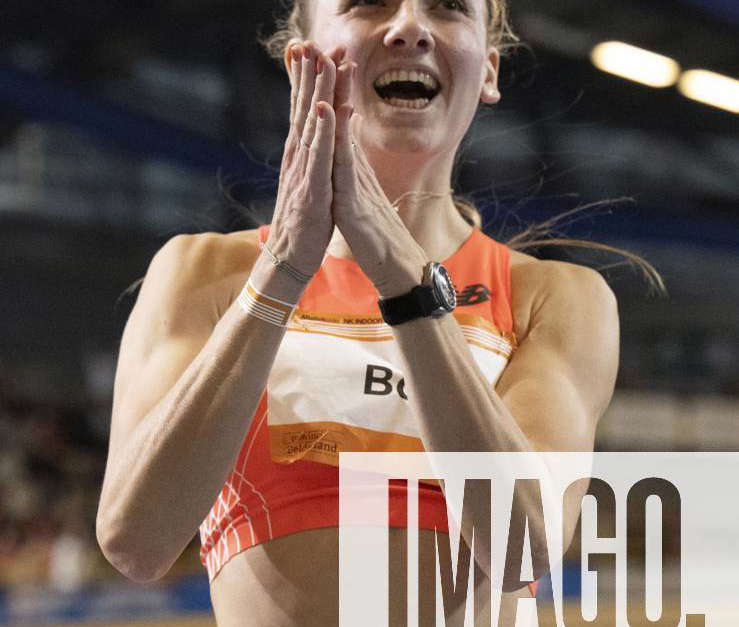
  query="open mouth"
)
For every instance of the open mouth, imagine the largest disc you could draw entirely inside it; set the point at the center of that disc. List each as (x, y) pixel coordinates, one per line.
(407, 92)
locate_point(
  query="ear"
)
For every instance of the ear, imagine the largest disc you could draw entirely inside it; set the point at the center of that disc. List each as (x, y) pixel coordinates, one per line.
(489, 93)
(286, 55)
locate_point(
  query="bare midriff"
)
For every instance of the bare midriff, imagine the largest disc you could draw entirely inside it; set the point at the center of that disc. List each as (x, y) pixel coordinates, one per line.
(293, 581)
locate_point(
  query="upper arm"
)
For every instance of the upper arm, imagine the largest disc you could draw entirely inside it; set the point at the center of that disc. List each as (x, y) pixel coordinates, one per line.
(187, 287)
(561, 378)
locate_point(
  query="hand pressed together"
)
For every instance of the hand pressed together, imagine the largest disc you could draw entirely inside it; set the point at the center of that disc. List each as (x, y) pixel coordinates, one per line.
(339, 173)
(302, 224)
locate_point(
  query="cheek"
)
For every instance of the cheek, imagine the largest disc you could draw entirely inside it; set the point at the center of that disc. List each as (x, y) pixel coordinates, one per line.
(467, 69)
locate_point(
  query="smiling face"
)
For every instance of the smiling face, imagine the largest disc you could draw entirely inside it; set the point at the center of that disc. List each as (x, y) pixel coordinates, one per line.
(444, 39)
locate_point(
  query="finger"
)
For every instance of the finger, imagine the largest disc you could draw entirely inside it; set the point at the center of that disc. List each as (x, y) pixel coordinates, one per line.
(327, 83)
(324, 92)
(307, 85)
(338, 54)
(299, 106)
(344, 170)
(344, 82)
(295, 71)
(320, 161)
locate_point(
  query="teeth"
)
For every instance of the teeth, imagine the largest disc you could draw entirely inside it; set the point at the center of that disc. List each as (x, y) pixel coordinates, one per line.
(418, 103)
(403, 75)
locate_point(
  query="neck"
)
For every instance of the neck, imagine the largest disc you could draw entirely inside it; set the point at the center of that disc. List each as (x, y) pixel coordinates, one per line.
(421, 193)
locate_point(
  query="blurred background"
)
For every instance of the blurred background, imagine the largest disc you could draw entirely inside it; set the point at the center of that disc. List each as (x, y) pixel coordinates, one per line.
(123, 124)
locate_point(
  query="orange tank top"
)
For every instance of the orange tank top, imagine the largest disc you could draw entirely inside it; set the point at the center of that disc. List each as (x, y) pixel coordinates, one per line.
(336, 385)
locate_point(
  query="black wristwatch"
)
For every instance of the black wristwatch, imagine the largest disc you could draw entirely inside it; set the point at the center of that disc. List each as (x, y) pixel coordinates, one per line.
(435, 297)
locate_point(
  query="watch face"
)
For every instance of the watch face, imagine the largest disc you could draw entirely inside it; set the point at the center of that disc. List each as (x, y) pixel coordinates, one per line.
(444, 287)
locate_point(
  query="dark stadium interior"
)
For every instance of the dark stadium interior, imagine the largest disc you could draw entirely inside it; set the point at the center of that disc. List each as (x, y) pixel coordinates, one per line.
(123, 124)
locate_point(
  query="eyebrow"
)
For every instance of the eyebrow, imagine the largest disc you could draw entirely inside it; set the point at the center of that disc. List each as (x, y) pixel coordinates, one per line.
(470, 6)
(344, 6)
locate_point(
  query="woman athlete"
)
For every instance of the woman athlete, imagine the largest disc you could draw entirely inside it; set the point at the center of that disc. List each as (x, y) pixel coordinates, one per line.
(217, 406)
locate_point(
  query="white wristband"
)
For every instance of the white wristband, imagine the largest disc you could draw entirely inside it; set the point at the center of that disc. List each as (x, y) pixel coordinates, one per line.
(264, 307)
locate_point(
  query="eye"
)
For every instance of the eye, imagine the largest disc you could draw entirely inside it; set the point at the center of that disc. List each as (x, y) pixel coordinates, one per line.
(455, 5)
(360, 3)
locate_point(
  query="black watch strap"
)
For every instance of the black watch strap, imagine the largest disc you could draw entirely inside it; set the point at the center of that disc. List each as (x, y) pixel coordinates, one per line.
(418, 303)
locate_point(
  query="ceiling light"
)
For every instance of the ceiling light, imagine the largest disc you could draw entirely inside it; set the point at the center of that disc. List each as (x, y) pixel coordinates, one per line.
(635, 64)
(710, 88)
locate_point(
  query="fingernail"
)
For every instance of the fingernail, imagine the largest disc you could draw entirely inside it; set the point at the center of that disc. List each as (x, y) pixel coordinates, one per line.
(319, 65)
(306, 52)
(320, 112)
(296, 53)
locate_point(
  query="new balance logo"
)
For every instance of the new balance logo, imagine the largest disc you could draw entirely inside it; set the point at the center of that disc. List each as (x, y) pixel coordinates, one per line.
(473, 295)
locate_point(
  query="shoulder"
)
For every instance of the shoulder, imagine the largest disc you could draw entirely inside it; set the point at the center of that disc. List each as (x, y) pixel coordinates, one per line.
(559, 293)
(567, 317)
(207, 256)
(201, 269)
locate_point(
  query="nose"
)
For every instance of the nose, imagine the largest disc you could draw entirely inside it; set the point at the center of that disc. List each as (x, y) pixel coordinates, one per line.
(408, 30)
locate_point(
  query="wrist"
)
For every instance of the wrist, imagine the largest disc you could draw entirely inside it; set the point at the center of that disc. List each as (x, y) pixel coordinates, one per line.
(270, 280)
(402, 281)
(433, 297)
(256, 304)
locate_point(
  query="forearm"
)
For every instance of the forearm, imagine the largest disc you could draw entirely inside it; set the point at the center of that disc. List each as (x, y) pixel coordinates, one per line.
(162, 483)
(457, 408)
(459, 411)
